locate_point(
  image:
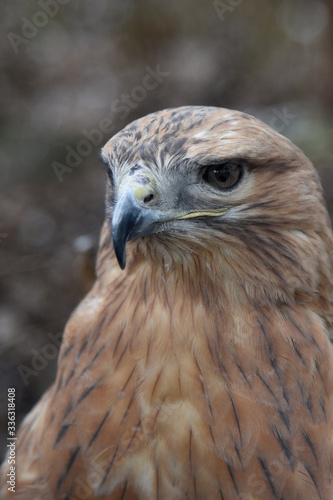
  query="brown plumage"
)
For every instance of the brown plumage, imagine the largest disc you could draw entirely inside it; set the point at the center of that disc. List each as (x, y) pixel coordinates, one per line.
(204, 369)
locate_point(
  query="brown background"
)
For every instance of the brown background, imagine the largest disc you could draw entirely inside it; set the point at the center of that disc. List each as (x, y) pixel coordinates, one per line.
(70, 66)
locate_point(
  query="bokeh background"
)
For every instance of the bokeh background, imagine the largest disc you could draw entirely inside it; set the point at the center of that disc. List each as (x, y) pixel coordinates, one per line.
(73, 72)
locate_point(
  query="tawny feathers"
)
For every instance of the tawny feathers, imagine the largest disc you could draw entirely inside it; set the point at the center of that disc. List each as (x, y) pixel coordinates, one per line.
(202, 370)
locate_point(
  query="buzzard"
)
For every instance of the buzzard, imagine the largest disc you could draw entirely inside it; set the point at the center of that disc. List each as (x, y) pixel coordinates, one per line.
(199, 366)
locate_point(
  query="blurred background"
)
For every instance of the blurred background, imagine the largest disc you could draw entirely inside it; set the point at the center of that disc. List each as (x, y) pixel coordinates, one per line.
(75, 72)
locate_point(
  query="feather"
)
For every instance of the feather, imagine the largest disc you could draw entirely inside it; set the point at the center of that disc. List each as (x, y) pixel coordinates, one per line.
(204, 369)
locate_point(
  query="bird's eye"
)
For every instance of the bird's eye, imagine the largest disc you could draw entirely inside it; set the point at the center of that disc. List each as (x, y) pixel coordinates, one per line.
(224, 175)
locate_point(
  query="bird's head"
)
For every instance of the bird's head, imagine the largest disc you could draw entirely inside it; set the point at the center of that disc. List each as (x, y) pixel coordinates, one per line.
(221, 192)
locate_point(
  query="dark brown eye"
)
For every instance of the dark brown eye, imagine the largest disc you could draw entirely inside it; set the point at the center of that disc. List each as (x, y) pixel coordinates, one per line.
(224, 175)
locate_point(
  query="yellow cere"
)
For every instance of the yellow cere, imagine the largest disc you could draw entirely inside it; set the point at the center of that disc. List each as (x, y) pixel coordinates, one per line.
(140, 192)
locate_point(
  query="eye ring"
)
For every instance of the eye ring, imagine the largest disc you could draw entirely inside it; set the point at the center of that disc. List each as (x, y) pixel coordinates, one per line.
(224, 175)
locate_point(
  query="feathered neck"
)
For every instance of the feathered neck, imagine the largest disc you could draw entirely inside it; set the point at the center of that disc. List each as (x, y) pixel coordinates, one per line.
(291, 273)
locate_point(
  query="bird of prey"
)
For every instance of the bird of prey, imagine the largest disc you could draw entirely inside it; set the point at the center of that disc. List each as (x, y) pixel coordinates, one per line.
(199, 366)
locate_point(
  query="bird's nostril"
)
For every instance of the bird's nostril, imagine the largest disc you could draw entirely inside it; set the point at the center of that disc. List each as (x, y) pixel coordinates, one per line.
(148, 198)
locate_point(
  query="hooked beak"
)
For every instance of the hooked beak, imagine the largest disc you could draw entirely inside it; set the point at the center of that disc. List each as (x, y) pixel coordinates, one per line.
(130, 220)
(134, 216)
